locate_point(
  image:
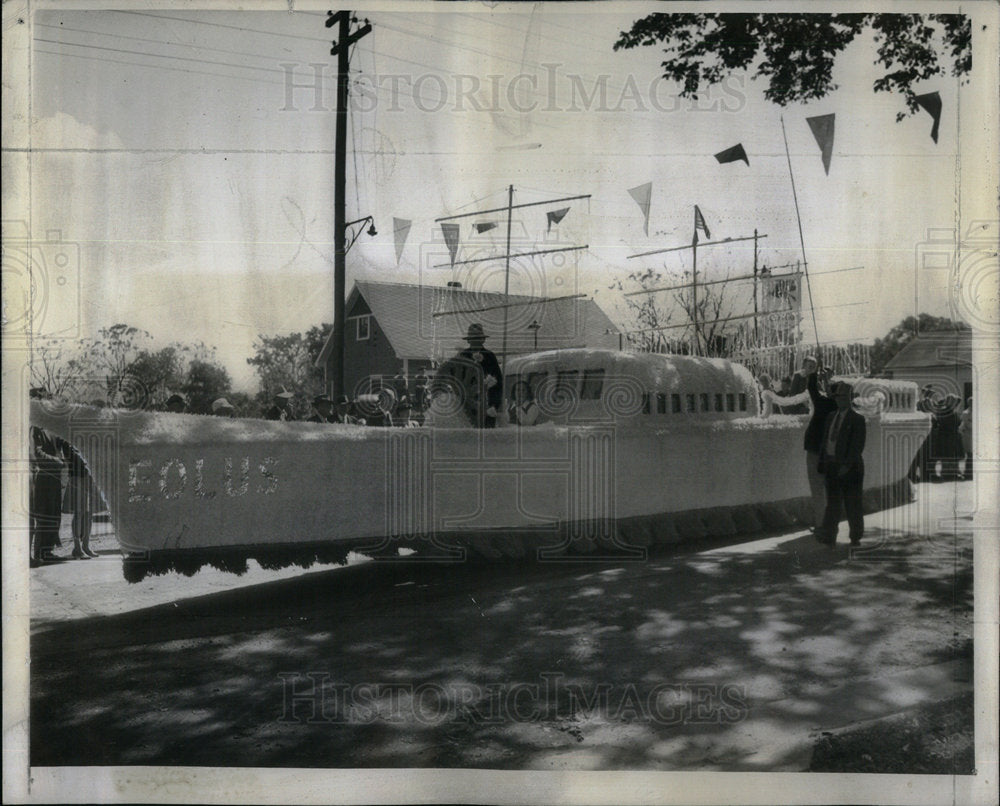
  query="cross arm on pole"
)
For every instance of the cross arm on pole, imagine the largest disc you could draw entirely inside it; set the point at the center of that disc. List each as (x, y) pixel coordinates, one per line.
(512, 207)
(688, 246)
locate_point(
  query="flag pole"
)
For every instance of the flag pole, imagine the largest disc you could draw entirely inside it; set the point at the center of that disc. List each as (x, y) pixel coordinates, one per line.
(694, 283)
(802, 242)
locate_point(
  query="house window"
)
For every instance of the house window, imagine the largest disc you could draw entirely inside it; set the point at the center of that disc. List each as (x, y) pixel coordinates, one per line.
(645, 402)
(690, 403)
(730, 401)
(675, 404)
(704, 401)
(718, 401)
(364, 327)
(743, 401)
(661, 403)
(593, 383)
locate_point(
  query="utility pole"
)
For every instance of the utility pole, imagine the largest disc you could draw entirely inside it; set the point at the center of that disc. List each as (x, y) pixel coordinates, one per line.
(340, 47)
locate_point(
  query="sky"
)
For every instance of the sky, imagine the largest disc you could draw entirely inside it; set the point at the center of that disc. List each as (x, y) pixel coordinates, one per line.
(187, 157)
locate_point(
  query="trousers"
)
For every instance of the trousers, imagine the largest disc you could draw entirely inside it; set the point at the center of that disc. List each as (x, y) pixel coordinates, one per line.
(843, 495)
(817, 488)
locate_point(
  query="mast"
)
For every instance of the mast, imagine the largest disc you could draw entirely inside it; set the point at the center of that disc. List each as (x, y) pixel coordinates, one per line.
(506, 283)
(802, 242)
(756, 334)
(694, 284)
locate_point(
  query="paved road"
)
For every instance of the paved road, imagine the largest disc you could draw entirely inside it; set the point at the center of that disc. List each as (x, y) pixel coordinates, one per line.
(726, 657)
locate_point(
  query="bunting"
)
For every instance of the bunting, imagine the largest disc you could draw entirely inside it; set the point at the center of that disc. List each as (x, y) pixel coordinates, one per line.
(450, 232)
(699, 224)
(555, 216)
(400, 231)
(931, 103)
(642, 194)
(733, 154)
(484, 226)
(822, 129)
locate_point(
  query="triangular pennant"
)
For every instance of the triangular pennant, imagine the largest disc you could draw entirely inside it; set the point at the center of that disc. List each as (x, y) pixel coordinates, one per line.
(932, 103)
(699, 224)
(450, 232)
(642, 194)
(732, 155)
(484, 226)
(400, 230)
(555, 216)
(822, 129)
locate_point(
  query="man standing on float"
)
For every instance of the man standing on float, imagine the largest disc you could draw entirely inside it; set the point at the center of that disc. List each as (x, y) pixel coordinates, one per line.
(474, 374)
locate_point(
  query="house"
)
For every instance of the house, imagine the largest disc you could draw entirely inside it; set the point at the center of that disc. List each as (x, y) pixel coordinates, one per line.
(399, 328)
(942, 359)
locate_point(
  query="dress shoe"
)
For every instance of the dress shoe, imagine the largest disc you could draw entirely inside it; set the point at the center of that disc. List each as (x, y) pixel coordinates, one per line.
(90, 552)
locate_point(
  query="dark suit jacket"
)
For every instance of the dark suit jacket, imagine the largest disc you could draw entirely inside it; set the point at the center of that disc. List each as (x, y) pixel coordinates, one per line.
(850, 443)
(822, 406)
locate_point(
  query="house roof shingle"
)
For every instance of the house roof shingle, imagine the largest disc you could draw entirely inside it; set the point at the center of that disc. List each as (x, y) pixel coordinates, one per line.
(424, 322)
(944, 348)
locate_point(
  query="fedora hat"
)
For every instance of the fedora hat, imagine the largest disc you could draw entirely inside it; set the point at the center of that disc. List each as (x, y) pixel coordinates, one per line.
(475, 332)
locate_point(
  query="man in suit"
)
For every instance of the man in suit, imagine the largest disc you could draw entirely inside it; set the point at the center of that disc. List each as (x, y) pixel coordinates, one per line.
(823, 406)
(474, 374)
(843, 467)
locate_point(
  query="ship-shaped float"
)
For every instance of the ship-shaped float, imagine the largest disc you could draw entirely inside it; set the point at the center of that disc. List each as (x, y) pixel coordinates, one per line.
(608, 453)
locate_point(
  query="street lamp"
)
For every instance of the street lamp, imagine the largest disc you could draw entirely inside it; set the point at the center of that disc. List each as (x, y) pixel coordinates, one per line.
(372, 232)
(534, 326)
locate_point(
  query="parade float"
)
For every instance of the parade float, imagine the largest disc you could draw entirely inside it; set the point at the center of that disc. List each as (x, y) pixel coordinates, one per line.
(606, 454)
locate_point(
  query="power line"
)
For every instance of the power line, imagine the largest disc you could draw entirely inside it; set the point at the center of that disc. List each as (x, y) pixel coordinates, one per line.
(158, 56)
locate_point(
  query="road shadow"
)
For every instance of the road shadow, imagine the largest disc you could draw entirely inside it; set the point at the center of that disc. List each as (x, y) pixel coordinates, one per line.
(661, 664)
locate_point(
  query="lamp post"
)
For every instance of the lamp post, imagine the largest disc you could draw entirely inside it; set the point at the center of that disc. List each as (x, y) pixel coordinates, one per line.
(534, 326)
(372, 232)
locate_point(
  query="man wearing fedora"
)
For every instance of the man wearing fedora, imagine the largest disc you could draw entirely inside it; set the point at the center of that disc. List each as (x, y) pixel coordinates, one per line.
(322, 409)
(843, 467)
(474, 374)
(280, 409)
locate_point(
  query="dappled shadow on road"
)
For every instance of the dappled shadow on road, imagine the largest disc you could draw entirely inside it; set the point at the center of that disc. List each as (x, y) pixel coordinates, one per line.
(664, 664)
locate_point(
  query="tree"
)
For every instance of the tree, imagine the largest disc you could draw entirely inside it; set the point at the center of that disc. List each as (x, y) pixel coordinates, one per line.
(289, 362)
(796, 52)
(204, 383)
(902, 334)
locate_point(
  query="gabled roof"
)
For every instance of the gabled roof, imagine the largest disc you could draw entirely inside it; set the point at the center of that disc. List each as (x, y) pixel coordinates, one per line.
(940, 348)
(407, 315)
